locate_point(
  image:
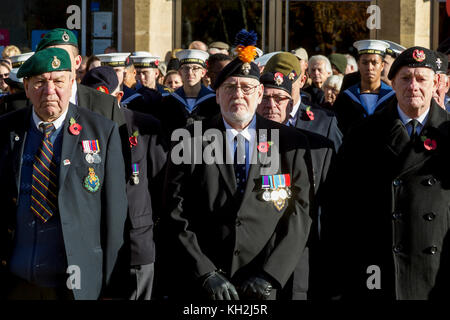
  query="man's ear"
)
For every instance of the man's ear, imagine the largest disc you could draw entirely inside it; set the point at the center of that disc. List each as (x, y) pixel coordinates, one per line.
(25, 86)
(119, 96)
(78, 60)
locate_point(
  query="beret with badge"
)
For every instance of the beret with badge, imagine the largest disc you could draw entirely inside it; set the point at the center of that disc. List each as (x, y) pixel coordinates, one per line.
(286, 63)
(103, 79)
(46, 60)
(441, 62)
(243, 65)
(414, 57)
(276, 80)
(57, 36)
(339, 61)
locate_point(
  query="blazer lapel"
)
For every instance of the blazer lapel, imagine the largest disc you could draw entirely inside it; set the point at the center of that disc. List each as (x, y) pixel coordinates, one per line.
(69, 143)
(83, 99)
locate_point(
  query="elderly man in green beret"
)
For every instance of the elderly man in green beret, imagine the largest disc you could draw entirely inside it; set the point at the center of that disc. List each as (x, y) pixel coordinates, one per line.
(81, 95)
(62, 191)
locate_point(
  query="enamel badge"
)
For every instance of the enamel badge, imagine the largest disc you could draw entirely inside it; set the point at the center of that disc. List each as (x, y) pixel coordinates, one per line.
(92, 182)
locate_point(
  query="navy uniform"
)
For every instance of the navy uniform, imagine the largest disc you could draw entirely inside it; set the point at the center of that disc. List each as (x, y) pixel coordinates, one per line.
(177, 110)
(144, 99)
(389, 237)
(72, 224)
(144, 152)
(351, 105)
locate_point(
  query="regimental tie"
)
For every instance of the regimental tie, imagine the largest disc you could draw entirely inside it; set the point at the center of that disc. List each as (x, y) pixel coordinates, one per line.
(239, 164)
(44, 188)
(413, 123)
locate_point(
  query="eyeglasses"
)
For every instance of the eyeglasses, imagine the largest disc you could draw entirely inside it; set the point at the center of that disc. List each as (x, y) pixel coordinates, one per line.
(188, 69)
(230, 88)
(4, 75)
(278, 99)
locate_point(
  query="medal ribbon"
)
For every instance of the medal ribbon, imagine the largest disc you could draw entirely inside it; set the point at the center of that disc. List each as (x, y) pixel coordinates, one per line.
(276, 181)
(287, 180)
(265, 182)
(135, 168)
(86, 146)
(271, 182)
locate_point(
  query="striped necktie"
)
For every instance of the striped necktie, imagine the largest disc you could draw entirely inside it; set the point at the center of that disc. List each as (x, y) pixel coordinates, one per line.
(44, 188)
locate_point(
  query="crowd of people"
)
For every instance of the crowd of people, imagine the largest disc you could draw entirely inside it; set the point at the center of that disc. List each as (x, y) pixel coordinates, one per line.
(225, 173)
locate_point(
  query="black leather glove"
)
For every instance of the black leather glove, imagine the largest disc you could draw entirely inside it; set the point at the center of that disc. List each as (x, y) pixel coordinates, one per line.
(218, 287)
(255, 288)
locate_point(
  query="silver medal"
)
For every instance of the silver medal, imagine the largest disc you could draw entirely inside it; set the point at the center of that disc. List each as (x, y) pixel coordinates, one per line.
(283, 194)
(135, 179)
(274, 195)
(89, 158)
(97, 158)
(266, 195)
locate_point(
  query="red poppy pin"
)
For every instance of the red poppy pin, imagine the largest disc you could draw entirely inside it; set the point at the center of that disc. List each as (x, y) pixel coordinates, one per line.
(103, 89)
(419, 55)
(133, 139)
(429, 144)
(309, 113)
(263, 147)
(74, 128)
(156, 62)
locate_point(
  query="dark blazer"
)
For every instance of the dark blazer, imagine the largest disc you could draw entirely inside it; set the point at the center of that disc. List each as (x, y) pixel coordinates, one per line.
(213, 230)
(144, 198)
(173, 114)
(99, 102)
(12, 102)
(92, 223)
(392, 198)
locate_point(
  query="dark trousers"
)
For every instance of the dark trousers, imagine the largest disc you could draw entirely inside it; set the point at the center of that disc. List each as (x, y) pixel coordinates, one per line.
(19, 289)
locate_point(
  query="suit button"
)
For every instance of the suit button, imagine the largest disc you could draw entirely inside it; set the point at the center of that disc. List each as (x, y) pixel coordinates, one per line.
(397, 215)
(398, 248)
(237, 252)
(431, 181)
(14, 200)
(4, 263)
(238, 222)
(397, 182)
(432, 250)
(429, 216)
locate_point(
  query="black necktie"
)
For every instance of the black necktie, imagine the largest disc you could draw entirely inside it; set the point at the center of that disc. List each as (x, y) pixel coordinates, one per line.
(239, 164)
(414, 123)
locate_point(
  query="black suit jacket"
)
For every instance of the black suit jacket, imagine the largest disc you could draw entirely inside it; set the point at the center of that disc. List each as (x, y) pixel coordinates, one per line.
(144, 198)
(99, 102)
(213, 230)
(92, 223)
(392, 210)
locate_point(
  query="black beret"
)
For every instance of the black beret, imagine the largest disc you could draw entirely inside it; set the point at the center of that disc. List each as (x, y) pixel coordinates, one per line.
(102, 78)
(237, 68)
(441, 62)
(173, 64)
(414, 57)
(276, 80)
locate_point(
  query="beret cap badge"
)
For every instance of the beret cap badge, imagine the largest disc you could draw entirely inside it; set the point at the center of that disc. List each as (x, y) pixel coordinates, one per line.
(245, 42)
(278, 78)
(419, 55)
(438, 63)
(65, 37)
(56, 62)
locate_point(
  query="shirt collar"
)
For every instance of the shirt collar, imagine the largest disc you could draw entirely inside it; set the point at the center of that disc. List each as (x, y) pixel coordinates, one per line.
(246, 133)
(57, 123)
(73, 97)
(293, 113)
(405, 119)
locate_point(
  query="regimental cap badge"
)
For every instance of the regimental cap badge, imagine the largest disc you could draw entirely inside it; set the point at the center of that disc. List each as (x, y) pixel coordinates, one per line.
(419, 55)
(438, 63)
(292, 75)
(56, 63)
(65, 37)
(278, 78)
(245, 42)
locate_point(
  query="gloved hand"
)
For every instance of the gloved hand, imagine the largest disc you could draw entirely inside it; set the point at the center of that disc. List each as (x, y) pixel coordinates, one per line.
(218, 287)
(255, 288)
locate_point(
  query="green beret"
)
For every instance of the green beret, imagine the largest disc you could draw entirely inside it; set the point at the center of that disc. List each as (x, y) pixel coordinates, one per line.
(47, 60)
(286, 63)
(57, 36)
(339, 61)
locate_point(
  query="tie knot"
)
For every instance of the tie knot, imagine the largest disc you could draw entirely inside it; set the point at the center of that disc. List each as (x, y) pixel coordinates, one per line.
(414, 123)
(47, 128)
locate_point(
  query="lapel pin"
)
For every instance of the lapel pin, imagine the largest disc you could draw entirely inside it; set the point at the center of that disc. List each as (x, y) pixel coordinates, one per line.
(16, 138)
(66, 162)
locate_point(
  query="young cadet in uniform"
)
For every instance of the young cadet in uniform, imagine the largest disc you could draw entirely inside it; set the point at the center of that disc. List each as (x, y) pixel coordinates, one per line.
(370, 94)
(389, 234)
(392, 53)
(63, 192)
(145, 153)
(117, 61)
(193, 101)
(148, 93)
(81, 95)
(238, 227)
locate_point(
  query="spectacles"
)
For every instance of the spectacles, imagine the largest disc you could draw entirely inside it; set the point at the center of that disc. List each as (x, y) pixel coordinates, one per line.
(278, 99)
(246, 89)
(4, 75)
(188, 69)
